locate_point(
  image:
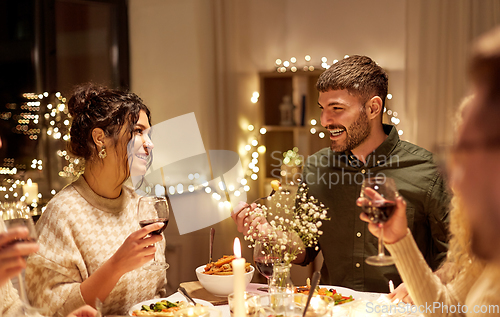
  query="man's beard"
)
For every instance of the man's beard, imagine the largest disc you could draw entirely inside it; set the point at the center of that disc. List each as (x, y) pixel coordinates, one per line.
(356, 134)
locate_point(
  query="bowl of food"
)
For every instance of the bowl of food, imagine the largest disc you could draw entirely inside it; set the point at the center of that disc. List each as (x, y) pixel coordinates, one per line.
(217, 277)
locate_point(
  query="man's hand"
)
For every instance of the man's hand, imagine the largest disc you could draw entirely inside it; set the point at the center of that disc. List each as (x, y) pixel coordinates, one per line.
(249, 221)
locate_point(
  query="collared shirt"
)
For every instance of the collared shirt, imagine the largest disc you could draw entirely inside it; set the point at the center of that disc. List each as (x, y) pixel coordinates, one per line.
(335, 179)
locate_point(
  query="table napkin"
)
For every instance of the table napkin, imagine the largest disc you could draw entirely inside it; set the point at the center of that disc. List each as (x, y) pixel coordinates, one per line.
(195, 290)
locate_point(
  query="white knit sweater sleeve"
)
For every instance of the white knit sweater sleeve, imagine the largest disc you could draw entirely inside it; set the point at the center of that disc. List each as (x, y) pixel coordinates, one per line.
(425, 288)
(9, 300)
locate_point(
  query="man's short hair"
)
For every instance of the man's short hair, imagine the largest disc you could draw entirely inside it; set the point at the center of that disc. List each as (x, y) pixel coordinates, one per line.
(359, 75)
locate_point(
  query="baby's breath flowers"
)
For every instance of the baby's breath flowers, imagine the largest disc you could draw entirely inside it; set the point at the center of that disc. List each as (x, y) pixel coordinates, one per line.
(288, 225)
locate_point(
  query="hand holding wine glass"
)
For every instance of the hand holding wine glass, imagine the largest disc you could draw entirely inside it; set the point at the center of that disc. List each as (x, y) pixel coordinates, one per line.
(378, 199)
(395, 228)
(154, 209)
(137, 249)
(13, 254)
(16, 244)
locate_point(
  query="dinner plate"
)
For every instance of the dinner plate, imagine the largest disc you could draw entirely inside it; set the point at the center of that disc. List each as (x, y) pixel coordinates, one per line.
(344, 291)
(355, 294)
(172, 298)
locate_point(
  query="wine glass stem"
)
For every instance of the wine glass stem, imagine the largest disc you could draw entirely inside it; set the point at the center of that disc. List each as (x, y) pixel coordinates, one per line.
(154, 256)
(22, 289)
(381, 251)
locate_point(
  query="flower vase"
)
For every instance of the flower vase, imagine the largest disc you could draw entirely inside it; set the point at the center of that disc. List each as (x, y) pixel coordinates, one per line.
(281, 281)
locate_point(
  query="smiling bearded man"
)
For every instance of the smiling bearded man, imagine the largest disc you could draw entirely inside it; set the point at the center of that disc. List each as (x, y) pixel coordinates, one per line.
(352, 95)
(356, 134)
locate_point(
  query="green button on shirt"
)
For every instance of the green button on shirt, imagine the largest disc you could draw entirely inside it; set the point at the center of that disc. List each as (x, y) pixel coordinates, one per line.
(335, 179)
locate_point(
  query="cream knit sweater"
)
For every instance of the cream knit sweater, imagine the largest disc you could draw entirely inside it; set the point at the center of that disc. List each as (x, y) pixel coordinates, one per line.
(478, 292)
(78, 232)
(10, 303)
(9, 300)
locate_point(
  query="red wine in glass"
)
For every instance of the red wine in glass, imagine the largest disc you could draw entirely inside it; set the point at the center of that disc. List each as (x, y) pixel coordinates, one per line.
(380, 211)
(154, 209)
(264, 257)
(144, 223)
(265, 265)
(379, 203)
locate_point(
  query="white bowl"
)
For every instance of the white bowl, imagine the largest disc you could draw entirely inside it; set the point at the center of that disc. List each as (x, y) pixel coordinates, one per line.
(220, 285)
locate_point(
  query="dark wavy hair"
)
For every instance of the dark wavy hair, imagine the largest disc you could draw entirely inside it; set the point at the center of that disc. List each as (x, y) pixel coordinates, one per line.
(94, 106)
(360, 75)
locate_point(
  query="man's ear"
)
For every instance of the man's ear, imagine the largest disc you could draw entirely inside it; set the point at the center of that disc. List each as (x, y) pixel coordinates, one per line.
(98, 136)
(374, 107)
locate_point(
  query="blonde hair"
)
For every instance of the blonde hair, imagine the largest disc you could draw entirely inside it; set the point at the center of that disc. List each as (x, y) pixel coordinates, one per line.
(460, 257)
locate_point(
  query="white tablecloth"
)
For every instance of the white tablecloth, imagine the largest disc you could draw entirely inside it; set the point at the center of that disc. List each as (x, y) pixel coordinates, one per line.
(360, 310)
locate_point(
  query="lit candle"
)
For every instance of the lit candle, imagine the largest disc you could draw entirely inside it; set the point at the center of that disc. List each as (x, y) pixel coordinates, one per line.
(239, 280)
(30, 190)
(391, 286)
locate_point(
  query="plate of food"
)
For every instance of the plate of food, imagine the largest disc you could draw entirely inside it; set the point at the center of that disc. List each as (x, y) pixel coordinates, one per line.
(340, 298)
(163, 307)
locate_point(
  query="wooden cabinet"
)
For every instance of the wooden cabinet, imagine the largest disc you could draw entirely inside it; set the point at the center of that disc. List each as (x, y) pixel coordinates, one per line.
(278, 139)
(297, 138)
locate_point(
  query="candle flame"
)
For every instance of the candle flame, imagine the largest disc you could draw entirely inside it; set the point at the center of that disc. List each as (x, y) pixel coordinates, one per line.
(237, 247)
(29, 182)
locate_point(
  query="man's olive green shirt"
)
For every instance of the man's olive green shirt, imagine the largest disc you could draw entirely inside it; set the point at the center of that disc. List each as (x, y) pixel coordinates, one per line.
(335, 179)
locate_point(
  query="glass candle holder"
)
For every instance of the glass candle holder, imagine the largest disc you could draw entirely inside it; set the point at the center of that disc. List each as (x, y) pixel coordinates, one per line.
(198, 312)
(249, 310)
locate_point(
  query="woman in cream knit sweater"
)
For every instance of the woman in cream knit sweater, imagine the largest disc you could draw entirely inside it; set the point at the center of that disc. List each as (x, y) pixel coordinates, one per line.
(472, 286)
(91, 245)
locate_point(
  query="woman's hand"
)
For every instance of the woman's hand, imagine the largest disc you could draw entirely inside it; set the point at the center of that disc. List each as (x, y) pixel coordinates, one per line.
(401, 293)
(12, 254)
(395, 228)
(137, 249)
(84, 311)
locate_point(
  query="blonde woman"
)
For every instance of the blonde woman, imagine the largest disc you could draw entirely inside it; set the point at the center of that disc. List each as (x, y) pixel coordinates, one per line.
(460, 258)
(465, 285)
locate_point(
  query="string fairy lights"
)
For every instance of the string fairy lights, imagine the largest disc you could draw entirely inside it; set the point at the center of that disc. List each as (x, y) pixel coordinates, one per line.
(283, 66)
(291, 158)
(40, 113)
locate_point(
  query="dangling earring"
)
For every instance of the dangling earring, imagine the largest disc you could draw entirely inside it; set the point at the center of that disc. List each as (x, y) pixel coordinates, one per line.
(102, 153)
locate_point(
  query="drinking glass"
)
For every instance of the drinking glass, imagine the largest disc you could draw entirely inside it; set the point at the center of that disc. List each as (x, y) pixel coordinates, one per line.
(15, 214)
(152, 209)
(246, 295)
(198, 311)
(379, 204)
(264, 257)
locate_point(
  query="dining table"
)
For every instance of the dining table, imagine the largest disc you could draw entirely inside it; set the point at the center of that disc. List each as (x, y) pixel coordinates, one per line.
(259, 289)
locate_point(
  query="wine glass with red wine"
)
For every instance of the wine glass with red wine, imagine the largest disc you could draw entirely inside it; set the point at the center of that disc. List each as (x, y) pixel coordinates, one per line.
(379, 204)
(152, 209)
(264, 257)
